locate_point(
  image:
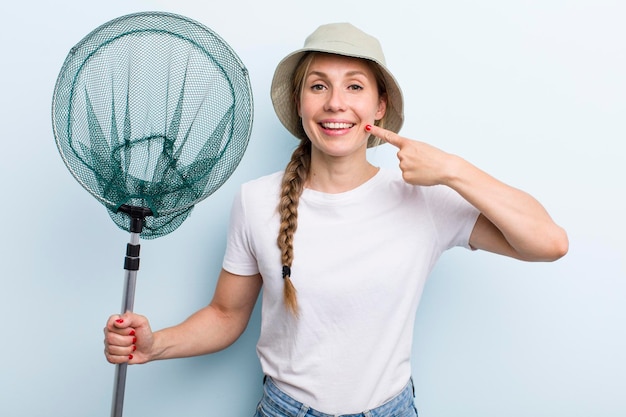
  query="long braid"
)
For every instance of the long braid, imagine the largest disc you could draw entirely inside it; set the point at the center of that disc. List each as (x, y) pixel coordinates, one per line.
(296, 174)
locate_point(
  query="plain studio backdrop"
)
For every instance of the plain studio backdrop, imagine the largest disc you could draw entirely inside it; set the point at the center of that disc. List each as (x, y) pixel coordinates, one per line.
(533, 92)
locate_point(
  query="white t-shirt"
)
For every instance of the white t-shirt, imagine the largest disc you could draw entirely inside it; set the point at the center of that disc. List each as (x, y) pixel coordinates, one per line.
(361, 259)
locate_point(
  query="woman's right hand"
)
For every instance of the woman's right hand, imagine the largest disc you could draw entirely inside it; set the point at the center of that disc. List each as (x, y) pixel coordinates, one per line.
(128, 338)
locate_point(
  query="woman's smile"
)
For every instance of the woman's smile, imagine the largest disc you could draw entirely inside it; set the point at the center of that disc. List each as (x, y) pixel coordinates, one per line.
(336, 128)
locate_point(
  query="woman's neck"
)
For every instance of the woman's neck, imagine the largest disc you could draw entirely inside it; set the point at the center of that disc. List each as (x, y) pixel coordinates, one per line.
(338, 176)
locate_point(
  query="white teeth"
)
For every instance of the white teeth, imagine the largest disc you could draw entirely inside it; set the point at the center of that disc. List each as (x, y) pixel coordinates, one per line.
(337, 125)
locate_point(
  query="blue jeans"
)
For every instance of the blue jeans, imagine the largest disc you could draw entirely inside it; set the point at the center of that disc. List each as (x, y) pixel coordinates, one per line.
(276, 403)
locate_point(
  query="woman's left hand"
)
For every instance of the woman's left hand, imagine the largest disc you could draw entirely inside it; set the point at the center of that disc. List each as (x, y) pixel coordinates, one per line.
(420, 163)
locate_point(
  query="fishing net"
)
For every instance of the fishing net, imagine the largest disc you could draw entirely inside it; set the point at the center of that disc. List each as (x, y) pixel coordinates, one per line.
(151, 113)
(152, 110)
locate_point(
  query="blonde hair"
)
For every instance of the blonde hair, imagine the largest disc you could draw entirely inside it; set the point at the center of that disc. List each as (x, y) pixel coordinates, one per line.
(296, 175)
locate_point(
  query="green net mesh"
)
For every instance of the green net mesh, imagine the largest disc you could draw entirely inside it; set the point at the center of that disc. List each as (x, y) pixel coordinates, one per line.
(152, 110)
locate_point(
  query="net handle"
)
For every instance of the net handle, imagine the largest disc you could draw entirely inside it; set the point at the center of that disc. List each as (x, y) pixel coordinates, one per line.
(131, 266)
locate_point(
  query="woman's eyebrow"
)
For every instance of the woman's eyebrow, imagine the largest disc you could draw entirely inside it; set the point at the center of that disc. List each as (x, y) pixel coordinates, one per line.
(347, 74)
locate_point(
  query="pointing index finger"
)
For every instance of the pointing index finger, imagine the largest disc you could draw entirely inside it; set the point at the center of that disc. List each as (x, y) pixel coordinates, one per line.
(386, 135)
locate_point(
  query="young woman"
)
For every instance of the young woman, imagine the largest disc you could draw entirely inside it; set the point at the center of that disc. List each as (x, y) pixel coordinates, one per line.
(342, 248)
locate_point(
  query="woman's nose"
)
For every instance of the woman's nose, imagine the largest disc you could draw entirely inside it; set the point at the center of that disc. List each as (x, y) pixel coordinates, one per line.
(336, 101)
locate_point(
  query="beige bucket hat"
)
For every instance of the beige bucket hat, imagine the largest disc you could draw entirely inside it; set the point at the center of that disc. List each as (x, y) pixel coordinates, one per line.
(341, 39)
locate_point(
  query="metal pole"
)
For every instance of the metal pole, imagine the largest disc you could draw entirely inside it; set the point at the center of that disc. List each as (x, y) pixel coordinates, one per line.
(127, 305)
(131, 266)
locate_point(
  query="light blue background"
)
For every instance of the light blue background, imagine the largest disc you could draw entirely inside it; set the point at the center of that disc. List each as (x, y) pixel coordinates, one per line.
(533, 92)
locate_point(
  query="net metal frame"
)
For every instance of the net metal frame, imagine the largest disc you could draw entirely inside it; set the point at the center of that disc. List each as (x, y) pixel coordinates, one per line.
(152, 110)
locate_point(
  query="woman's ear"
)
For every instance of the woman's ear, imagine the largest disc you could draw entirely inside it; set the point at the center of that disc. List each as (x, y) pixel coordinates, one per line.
(382, 107)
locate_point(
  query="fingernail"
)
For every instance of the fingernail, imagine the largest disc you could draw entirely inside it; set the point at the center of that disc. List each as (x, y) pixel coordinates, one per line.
(368, 127)
(134, 348)
(134, 339)
(132, 333)
(130, 357)
(119, 321)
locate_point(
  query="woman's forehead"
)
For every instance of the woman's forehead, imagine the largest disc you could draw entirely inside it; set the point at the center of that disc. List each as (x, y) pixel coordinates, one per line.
(323, 62)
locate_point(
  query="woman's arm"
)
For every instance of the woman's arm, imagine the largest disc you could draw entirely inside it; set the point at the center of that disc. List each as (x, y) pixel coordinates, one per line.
(512, 222)
(128, 338)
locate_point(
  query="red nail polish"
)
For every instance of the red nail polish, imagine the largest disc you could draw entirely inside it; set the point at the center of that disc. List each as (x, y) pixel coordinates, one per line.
(119, 321)
(134, 340)
(368, 127)
(130, 357)
(134, 348)
(132, 333)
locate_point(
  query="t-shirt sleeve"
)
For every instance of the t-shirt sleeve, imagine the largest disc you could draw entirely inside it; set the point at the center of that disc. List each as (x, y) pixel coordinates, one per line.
(453, 216)
(239, 257)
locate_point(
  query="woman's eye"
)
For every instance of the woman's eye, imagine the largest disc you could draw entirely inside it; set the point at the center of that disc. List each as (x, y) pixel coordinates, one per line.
(355, 87)
(317, 87)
